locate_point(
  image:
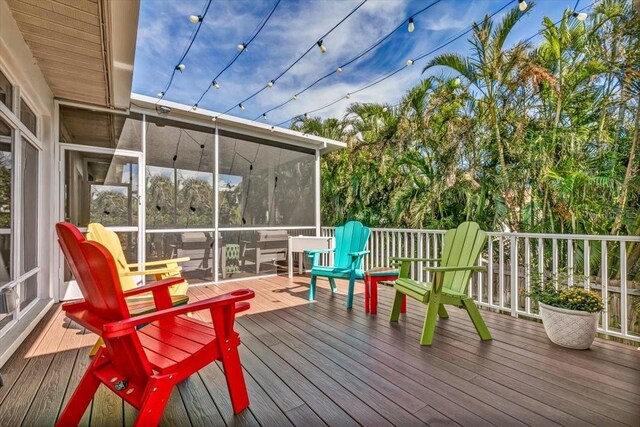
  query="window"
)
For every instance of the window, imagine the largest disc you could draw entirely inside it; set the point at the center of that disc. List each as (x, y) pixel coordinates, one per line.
(6, 179)
(264, 184)
(28, 117)
(29, 258)
(6, 91)
(179, 175)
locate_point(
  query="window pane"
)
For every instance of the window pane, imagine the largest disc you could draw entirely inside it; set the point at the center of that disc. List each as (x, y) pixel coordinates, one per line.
(98, 129)
(28, 117)
(197, 245)
(28, 291)
(6, 92)
(101, 188)
(179, 175)
(262, 184)
(6, 178)
(29, 207)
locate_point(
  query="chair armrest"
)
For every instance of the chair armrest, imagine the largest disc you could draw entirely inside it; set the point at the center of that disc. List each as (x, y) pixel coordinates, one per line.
(457, 268)
(123, 327)
(160, 262)
(154, 287)
(359, 253)
(318, 251)
(153, 272)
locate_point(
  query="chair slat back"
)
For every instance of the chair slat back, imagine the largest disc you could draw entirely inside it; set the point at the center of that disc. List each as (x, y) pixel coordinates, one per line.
(99, 283)
(351, 237)
(462, 247)
(94, 269)
(110, 240)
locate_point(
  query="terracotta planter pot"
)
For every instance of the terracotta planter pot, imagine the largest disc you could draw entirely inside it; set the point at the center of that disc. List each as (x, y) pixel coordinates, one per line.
(569, 328)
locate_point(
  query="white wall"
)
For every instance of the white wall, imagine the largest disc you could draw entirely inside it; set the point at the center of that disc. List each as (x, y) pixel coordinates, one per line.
(21, 68)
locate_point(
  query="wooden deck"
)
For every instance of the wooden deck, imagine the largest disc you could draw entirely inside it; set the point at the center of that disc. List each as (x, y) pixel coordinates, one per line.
(319, 364)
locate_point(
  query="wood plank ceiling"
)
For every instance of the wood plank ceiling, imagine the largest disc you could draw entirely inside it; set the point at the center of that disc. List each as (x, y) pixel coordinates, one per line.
(66, 37)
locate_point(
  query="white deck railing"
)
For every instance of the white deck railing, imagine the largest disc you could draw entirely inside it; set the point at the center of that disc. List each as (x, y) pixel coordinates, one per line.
(599, 263)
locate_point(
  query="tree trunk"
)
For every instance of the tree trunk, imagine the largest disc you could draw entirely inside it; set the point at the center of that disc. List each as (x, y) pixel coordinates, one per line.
(630, 173)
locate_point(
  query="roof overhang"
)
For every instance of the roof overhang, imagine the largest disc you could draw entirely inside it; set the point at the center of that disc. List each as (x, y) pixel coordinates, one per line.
(148, 105)
(84, 49)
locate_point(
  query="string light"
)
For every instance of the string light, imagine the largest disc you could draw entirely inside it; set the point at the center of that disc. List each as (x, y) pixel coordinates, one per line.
(160, 94)
(456, 81)
(580, 16)
(385, 109)
(412, 26)
(194, 108)
(409, 62)
(240, 47)
(306, 116)
(264, 116)
(272, 129)
(339, 70)
(522, 5)
(241, 106)
(215, 84)
(294, 97)
(270, 84)
(192, 39)
(347, 96)
(321, 46)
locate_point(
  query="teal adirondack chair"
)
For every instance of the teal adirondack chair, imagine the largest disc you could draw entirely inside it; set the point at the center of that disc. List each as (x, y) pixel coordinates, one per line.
(351, 239)
(462, 247)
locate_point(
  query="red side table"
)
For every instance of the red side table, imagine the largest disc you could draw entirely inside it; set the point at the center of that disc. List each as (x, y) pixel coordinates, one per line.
(371, 279)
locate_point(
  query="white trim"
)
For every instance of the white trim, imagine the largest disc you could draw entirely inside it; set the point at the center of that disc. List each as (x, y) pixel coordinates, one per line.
(91, 107)
(317, 193)
(216, 204)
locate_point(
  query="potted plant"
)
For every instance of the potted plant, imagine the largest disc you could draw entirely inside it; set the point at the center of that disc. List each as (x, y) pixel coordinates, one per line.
(569, 315)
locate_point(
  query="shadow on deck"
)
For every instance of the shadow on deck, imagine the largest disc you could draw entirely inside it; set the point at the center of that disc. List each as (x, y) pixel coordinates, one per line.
(317, 363)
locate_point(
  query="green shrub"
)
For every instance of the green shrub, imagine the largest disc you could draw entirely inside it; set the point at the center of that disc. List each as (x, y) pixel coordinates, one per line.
(575, 298)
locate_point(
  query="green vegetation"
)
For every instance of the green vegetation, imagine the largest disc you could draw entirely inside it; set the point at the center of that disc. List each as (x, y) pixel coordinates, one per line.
(571, 299)
(524, 137)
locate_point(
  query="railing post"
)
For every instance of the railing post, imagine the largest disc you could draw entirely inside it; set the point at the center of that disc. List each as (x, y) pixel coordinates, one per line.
(623, 288)
(604, 277)
(514, 275)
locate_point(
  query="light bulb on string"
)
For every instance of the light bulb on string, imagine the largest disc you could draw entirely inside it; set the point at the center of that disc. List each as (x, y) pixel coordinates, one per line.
(409, 62)
(180, 67)
(456, 81)
(321, 46)
(264, 116)
(306, 116)
(270, 84)
(347, 96)
(522, 5)
(580, 16)
(195, 19)
(194, 108)
(294, 97)
(215, 84)
(272, 129)
(241, 106)
(160, 94)
(339, 70)
(385, 109)
(411, 26)
(240, 47)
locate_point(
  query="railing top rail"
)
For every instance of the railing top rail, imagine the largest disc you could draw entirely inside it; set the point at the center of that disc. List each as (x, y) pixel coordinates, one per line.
(598, 237)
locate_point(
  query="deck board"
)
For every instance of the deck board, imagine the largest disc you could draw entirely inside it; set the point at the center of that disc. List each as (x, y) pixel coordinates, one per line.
(319, 364)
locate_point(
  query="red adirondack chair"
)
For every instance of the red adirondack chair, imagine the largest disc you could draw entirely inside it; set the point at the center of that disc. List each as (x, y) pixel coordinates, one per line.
(143, 365)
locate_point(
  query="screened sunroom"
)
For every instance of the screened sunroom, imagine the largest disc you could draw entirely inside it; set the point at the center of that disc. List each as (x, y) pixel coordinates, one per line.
(225, 193)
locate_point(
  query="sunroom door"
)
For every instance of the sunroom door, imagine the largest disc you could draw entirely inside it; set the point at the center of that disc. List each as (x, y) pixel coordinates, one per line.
(101, 185)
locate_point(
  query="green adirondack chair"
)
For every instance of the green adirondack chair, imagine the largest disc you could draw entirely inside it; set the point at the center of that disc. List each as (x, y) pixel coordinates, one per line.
(462, 247)
(351, 239)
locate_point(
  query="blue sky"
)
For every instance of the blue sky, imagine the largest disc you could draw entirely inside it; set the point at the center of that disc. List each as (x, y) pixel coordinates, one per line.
(164, 29)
